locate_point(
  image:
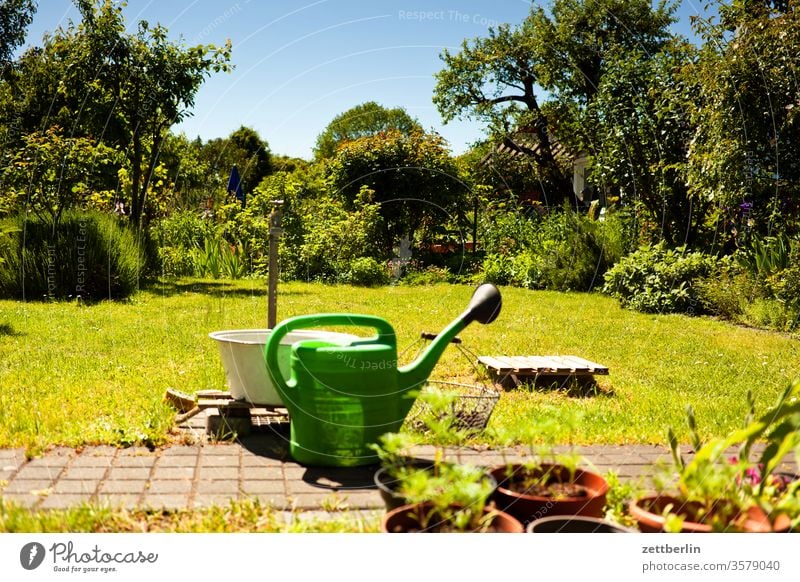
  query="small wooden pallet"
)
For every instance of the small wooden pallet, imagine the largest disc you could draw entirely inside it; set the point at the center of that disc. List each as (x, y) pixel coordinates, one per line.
(226, 415)
(540, 368)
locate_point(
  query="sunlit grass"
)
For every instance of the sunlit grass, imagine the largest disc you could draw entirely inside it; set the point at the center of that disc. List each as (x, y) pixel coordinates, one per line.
(238, 516)
(73, 374)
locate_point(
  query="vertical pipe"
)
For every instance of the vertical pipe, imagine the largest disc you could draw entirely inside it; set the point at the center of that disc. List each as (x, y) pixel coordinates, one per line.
(272, 282)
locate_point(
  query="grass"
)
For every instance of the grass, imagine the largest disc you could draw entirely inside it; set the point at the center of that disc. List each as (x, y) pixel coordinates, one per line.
(238, 516)
(73, 374)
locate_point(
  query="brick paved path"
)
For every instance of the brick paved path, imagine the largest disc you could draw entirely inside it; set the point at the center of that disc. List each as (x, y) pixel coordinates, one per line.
(256, 466)
(186, 477)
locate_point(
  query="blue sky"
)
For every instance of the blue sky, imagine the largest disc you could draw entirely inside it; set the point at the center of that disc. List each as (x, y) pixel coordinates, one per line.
(299, 63)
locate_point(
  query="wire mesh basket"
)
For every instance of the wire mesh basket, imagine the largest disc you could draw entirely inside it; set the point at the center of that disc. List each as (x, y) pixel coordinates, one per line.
(468, 407)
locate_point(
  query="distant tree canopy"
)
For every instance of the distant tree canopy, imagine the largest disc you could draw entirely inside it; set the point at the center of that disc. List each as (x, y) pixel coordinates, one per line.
(244, 149)
(412, 177)
(499, 79)
(361, 121)
(15, 16)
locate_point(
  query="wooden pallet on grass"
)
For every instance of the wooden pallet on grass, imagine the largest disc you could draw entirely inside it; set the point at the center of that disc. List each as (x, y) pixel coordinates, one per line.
(226, 417)
(541, 369)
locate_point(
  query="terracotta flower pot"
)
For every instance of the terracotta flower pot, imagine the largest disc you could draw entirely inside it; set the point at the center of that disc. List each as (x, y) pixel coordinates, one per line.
(649, 515)
(585, 495)
(575, 524)
(406, 519)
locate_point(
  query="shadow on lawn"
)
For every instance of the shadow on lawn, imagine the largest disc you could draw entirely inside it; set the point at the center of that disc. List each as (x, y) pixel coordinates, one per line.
(8, 329)
(572, 387)
(214, 288)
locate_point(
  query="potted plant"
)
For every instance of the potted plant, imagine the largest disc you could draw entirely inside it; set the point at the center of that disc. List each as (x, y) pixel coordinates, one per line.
(718, 492)
(547, 483)
(436, 495)
(534, 489)
(454, 498)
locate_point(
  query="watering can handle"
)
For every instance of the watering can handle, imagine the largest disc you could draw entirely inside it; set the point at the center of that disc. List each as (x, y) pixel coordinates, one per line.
(385, 335)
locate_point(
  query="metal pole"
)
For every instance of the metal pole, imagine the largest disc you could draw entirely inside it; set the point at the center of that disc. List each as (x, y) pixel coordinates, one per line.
(275, 231)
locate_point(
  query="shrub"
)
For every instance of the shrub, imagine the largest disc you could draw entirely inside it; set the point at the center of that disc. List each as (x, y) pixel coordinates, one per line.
(90, 255)
(761, 293)
(430, 275)
(728, 289)
(177, 236)
(365, 272)
(656, 279)
(562, 250)
(334, 238)
(498, 269)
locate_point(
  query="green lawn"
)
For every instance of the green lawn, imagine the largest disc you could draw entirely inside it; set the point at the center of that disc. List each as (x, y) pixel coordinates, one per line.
(73, 374)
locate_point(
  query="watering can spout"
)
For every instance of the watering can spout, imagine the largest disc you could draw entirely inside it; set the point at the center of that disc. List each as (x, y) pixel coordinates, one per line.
(484, 307)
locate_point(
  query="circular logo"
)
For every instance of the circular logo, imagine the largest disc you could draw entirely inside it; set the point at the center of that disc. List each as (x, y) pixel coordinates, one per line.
(31, 555)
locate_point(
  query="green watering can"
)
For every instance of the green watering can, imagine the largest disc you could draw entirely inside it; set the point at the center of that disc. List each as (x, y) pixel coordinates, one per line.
(342, 397)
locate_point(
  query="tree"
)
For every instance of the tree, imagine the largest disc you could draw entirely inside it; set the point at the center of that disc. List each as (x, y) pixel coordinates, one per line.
(500, 79)
(124, 89)
(244, 149)
(744, 154)
(15, 16)
(413, 179)
(360, 121)
(642, 119)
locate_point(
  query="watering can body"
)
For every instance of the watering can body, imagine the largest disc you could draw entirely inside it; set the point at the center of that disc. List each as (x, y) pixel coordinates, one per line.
(342, 397)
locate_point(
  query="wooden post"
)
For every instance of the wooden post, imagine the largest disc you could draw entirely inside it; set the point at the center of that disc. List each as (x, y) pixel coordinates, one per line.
(275, 232)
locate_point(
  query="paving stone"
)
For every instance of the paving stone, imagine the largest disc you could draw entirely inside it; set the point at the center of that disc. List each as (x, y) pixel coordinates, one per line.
(253, 460)
(173, 473)
(73, 486)
(12, 454)
(64, 500)
(90, 460)
(135, 462)
(258, 487)
(262, 473)
(217, 473)
(219, 461)
(126, 486)
(177, 461)
(54, 463)
(83, 473)
(293, 472)
(294, 486)
(215, 487)
(133, 473)
(28, 472)
(171, 486)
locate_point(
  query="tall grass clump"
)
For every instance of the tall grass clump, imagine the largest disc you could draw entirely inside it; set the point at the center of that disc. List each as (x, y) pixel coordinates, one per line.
(86, 254)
